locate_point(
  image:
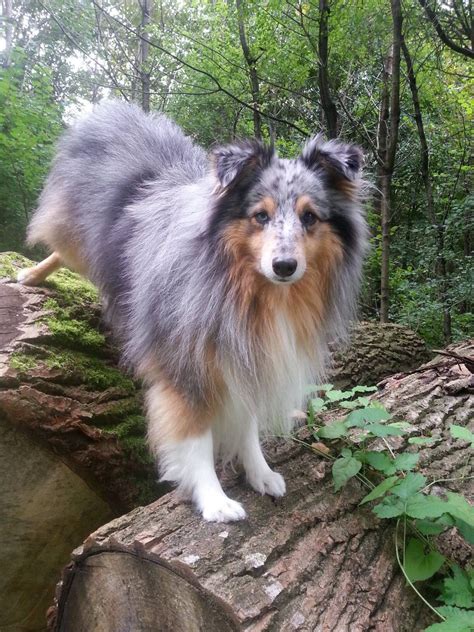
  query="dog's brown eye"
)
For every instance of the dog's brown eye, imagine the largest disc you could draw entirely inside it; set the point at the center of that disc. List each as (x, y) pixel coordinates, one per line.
(262, 217)
(309, 218)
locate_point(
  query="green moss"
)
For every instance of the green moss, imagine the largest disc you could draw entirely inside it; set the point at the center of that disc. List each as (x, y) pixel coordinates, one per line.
(94, 373)
(23, 362)
(12, 262)
(72, 288)
(70, 331)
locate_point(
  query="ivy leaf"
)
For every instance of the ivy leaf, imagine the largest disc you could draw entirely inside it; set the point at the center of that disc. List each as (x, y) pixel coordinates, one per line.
(421, 440)
(344, 469)
(367, 415)
(364, 389)
(318, 404)
(380, 490)
(380, 461)
(457, 590)
(421, 506)
(456, 621)
(420, 565)
(459, 508)
(459, 432)
(390, 507)
(428, 527)
(406, 461)
(333, 431)
(409, 486)
(336, 396)
(378, 430)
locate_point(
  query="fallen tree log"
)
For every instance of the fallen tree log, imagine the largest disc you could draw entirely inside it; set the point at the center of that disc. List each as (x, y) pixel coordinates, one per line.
(314, 560)
(72, 448)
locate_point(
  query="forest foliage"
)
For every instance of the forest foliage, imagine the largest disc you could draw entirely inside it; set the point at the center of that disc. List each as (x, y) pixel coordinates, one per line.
(393, 77)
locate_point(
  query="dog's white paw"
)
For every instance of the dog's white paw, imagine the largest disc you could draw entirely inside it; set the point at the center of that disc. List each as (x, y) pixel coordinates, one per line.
(26, 277)
(267, 482)
(222, 509)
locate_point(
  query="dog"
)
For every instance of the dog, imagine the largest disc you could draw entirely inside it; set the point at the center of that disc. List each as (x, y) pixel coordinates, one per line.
(223, 276)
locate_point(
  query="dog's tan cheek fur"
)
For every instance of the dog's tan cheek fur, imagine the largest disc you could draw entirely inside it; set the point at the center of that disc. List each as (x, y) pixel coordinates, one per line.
(308, 298)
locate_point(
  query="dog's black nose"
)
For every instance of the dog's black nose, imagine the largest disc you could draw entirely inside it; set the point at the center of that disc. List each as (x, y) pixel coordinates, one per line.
(284, 267)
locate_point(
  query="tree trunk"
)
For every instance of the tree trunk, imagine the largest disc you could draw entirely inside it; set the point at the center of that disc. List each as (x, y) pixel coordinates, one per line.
(430, 206)
(327, 104)
(313, 560)
(252, 65)
(146, 7)
(387, 144)
(7, 14)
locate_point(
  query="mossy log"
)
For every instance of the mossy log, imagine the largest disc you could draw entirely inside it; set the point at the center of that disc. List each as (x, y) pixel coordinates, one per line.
(314, 560)
(72, 447)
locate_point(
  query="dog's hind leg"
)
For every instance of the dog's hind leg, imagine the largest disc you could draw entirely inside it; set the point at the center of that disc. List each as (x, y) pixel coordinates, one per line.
(189, 460)
(36, 275)
(259, 474)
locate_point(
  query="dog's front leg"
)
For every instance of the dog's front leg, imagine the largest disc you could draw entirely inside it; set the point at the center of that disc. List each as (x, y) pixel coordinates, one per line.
(259, 474)
(185, 454)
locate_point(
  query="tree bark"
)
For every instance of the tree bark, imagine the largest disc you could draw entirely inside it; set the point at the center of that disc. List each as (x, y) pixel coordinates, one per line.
(314, 560)
(327, 104)
(375, 352)
(388, 141)
(146, 7)
(7, 15)
(253, 76)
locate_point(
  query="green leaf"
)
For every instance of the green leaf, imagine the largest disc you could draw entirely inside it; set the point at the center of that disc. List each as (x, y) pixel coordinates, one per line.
(336, 396)
(421, 440)
(364, 389)
(346, 452)
(421, 506)
(344, 469)
(420, 565)
(456, 621)
(428, 527)
(459, 432)
(380, 461)
(333, 431)
(380, 490)
(390, 507)
(406, 461)
(457, 590)
(384, 431)
(367, 415)
(409, 486)
(318, 404)
(459, 508)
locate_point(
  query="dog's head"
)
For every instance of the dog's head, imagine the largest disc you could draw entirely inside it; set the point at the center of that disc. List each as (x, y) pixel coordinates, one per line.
(284, 217)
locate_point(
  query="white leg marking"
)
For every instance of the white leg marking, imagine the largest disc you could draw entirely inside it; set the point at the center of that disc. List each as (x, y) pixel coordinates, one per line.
(191, 464)
(263, 479)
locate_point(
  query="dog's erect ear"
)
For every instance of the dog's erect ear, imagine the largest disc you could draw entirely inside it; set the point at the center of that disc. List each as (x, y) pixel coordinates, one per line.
(339, 161)
(240, 161)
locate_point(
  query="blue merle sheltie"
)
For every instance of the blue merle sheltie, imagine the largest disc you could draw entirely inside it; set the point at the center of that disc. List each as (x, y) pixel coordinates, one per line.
(224, 277)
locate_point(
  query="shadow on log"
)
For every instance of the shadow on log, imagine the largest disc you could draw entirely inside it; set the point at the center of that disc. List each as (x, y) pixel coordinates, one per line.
(314, 560)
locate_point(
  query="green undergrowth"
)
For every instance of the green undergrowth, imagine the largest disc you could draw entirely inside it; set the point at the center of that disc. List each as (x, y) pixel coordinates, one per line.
(358, 444)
